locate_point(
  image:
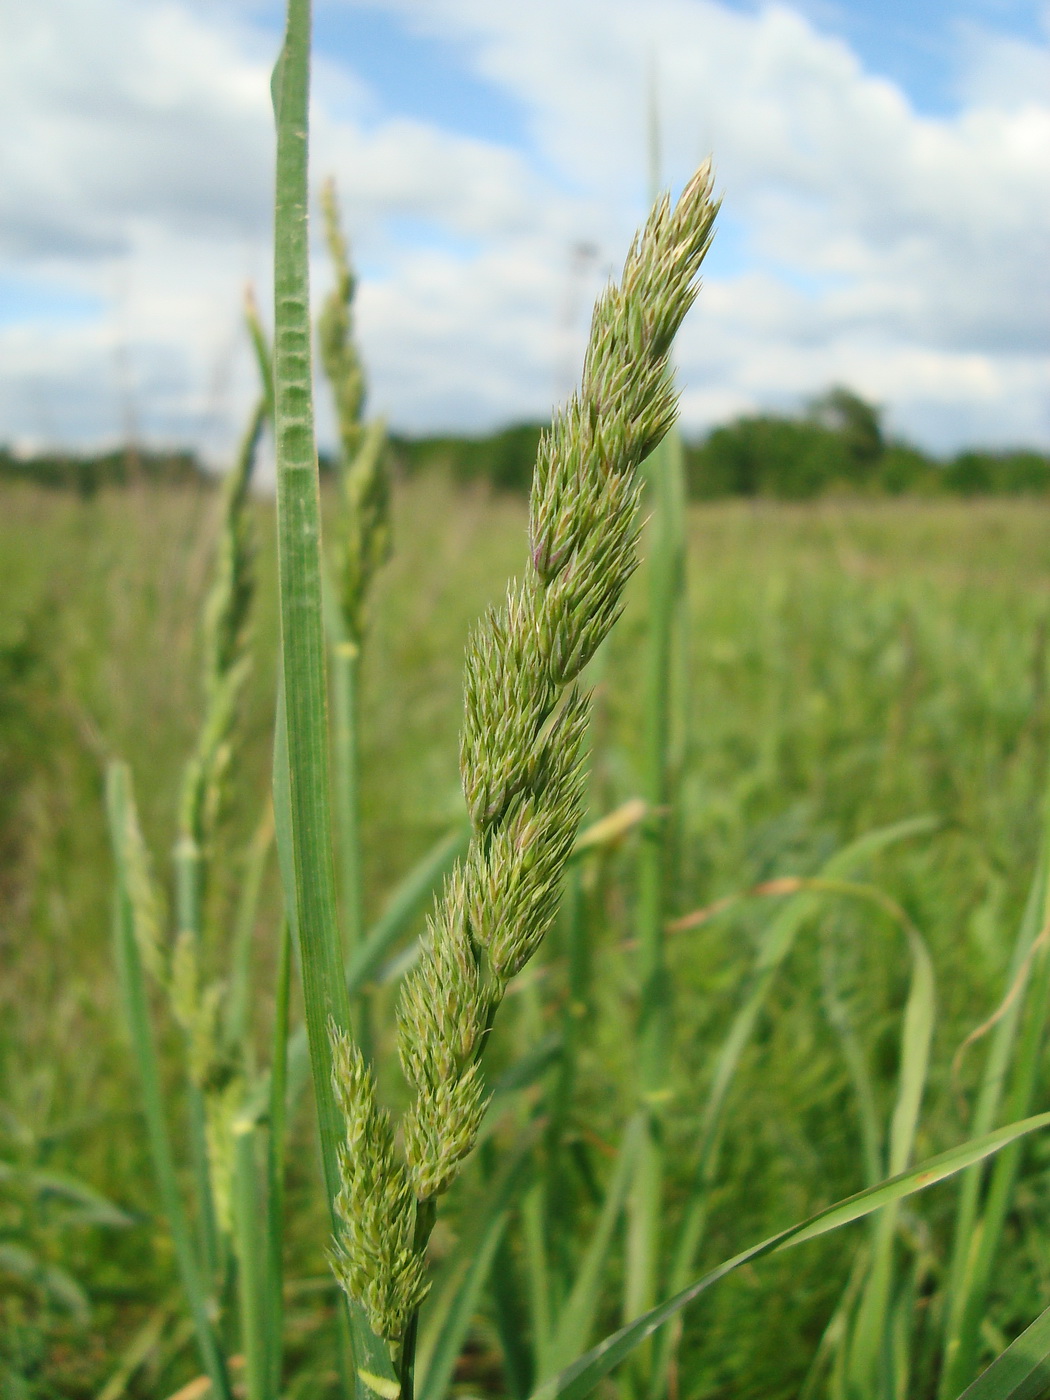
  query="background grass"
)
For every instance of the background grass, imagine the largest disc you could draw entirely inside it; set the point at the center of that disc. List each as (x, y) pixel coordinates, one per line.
(850, 665)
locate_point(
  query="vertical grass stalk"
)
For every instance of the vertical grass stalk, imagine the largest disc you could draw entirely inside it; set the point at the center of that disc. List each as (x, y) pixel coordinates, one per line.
(304, 702)
(666, 565)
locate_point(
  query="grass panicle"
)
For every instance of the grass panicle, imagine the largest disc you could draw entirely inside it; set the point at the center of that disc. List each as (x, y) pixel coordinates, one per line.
(526, 714)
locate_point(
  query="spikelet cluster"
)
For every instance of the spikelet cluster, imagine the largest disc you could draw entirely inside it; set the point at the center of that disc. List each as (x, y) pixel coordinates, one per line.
(525, 713)
(525, 721)
(227, 614)
(364, 530)
(374, 1256)
(140, 884)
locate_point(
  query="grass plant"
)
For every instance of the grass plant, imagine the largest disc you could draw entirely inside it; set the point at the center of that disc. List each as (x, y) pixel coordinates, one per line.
(823, 613)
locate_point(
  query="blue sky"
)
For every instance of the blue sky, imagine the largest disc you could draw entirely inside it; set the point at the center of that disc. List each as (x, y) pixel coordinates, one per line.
(884, 170)
(917, 46)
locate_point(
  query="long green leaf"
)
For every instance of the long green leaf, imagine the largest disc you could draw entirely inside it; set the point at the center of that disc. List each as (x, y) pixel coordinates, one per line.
(666, 566)
(312, 891)
(275, 1155)
(251, 1244)
(580, 1379)
(239, 1003)
(1022, 1372)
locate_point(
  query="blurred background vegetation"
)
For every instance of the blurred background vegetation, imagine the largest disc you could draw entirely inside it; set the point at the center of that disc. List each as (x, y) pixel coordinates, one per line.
(837, 444)
(851, 662)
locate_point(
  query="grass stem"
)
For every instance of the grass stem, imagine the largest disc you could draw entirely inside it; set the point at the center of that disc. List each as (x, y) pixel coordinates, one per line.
(302, 632)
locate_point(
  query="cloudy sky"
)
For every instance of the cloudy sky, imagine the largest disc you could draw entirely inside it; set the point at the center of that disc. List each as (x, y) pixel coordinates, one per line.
(885, 169)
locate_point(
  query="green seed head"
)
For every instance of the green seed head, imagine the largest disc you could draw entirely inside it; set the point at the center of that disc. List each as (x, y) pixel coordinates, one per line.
(521, 756)
(521, 761)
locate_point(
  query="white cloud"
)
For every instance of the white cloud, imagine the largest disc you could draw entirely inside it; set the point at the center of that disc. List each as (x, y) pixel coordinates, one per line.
(864, 242)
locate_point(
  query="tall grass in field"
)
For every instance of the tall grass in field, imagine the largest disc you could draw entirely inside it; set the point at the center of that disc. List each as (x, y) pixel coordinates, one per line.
(537, 1250)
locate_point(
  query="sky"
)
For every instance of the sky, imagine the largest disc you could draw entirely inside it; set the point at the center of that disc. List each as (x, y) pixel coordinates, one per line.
(884, 170)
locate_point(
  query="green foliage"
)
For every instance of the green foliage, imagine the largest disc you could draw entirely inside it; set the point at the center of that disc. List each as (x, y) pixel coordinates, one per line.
(998, 474)
(503, 460)
(769, 456)
(87, 474)
(838, 446)
(546, 1218)
(848, 665)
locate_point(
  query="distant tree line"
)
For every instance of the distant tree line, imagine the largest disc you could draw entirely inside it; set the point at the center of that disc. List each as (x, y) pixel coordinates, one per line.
(86, 474)
(837, 444)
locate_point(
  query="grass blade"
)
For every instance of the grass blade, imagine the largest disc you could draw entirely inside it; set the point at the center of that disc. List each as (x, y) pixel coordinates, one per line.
(666, 564)
(511, 1322)
(580, 1379)
(275, 1155)
(251, 1242)
(304, 703)
(871, 1335)
(1022, 1371)
(345, 654)
(237, 1018)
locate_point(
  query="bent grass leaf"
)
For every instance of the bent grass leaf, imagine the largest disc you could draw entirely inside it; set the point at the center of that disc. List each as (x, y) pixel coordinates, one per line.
(580, 1379)
(1022, 1371)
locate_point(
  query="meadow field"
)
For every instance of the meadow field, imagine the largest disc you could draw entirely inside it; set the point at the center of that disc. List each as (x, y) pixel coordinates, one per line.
(848, 665)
